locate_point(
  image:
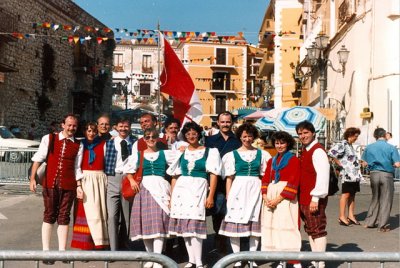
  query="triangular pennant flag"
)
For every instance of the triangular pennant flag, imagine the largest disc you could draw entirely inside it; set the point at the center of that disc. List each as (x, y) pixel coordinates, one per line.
(76, 39)
(70, 38)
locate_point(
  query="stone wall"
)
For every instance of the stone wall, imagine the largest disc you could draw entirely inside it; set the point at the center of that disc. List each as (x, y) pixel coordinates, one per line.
(39, 93)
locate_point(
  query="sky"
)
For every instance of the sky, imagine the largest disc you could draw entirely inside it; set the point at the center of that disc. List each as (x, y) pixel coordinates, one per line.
(225, 17)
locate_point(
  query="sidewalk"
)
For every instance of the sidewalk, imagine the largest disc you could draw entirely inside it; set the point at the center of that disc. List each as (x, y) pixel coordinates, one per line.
(21, 230)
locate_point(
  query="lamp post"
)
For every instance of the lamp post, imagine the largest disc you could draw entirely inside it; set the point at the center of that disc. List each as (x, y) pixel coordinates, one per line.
(319, 60)
(125, 91)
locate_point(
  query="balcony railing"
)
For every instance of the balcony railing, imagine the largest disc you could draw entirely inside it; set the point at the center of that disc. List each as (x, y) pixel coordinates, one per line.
(147, 70)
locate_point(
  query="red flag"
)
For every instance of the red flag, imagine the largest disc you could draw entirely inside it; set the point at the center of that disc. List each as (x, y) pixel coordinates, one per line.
(177, 83)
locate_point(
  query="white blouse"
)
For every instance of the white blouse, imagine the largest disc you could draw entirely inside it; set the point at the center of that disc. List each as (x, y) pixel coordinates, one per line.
(213, 162)
(131, 165)
(249, 155)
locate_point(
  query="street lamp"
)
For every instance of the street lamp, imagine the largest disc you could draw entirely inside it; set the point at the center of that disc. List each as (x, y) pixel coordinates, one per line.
(319, 60)
(124, 89)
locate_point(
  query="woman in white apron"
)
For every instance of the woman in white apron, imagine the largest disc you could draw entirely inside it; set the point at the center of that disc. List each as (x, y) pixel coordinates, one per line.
(243, 169)
(280, 210)
(150, 208)
(190, 196)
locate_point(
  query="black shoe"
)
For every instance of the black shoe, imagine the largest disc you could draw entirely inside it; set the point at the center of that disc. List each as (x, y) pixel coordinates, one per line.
(343, 223)
(48, 262)
(353, 222)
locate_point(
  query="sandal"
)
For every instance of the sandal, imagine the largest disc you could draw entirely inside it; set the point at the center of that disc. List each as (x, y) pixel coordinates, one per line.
(355, 222)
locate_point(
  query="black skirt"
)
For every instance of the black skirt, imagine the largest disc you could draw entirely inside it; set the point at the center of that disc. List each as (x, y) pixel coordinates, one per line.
(350, 187)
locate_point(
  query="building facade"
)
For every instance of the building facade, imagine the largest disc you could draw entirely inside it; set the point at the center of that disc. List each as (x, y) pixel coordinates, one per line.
(54, 58)
(363, 92)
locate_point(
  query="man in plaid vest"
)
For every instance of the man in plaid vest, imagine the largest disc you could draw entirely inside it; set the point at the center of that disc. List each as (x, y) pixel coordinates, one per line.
(118, 209)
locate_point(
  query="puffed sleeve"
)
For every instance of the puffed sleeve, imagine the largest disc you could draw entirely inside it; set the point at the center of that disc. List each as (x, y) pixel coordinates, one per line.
(213, 162)
(171, 156)
(228, 165)
(265, 156)
(175, 168)
(131, 165)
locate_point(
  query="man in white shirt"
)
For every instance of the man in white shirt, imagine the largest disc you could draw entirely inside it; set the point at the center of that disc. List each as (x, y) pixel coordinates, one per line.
(63, 154)
(118, 209)
(313, 188)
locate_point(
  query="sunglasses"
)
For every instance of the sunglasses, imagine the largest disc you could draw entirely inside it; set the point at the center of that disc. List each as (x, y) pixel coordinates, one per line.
(154, 137)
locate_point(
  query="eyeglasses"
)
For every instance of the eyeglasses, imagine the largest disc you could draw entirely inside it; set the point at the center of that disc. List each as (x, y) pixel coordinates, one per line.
(154, 137)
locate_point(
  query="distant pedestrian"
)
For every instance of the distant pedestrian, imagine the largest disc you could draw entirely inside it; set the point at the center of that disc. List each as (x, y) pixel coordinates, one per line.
(59, 186)
(31, 132)
(347, 160)
(313, 190)
(382, 158)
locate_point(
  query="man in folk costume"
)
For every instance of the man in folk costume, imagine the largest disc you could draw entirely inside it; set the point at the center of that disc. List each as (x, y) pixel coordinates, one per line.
(313, 188)
(118, 209)
(64, 157)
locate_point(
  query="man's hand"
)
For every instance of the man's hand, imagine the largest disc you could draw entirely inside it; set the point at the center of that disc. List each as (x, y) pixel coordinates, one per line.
(313, 207)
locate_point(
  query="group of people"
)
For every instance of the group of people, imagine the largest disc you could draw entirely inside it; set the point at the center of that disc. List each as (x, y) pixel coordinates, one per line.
(247, 192)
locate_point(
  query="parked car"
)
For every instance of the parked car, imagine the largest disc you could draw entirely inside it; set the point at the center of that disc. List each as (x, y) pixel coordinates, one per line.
(136, 131)
(13, 149)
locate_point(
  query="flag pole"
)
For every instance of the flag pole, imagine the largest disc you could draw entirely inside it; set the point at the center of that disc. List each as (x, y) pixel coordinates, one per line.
(159, 73)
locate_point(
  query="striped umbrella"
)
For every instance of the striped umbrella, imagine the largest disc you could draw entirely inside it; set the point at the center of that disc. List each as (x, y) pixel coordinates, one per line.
(265, 123)
(288, 119)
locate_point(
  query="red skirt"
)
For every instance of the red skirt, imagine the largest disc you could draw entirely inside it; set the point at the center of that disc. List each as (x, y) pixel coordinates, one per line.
(81, 237)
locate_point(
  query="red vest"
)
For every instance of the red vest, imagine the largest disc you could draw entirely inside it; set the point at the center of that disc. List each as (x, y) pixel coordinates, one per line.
(98, 163)
(62, 164)
(308, 175)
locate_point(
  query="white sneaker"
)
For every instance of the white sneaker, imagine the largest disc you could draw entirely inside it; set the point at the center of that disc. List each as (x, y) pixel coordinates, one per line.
(238, 264)
(148, 264)
(157, 265)
(297, 265)
(280, 265)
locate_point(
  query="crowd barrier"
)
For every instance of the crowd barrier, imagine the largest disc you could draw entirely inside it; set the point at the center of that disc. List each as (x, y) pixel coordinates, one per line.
(14, 164)
(141, 257)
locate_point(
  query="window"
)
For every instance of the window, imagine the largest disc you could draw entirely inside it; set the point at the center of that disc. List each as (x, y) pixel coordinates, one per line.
(118, 60)
(220, 104)
(145, 90)
(221, 81)
(146, 64)
(221, 56)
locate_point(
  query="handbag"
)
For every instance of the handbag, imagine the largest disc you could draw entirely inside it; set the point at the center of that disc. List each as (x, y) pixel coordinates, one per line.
(41, 171)
(126, 190)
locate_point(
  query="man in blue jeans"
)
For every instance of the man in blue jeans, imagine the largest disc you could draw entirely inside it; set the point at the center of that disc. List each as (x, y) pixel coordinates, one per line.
(382, 159)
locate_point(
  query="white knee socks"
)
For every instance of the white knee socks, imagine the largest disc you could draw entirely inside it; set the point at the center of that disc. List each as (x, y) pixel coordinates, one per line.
(197, 245)
(148, 244)
(189, 248)
(158, 245)
(253, 243)
(62, 234)
(46, 235)
(235, 244)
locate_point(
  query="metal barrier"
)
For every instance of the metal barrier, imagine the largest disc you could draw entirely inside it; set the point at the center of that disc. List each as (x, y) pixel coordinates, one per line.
(348, 257)
(73, 256)
(14, 164)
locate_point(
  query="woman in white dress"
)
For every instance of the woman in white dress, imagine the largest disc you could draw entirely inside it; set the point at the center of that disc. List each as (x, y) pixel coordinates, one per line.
(190, 196)
(243, 169)
(150, 208)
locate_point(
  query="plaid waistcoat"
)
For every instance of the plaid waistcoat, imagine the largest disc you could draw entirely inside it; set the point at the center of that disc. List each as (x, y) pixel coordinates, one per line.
(110, 160)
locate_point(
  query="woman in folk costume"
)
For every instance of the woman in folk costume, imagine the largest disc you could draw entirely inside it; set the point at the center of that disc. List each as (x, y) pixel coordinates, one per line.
(90, 226)
(189, 198)
(280, 210)
(150, 209)
(243, 169)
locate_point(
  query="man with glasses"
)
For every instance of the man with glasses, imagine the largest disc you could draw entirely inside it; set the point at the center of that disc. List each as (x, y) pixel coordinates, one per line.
(225, 141)
(118, 209)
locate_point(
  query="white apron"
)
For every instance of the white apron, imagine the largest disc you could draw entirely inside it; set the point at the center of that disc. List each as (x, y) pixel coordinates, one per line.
(159, 189)
(244, 200)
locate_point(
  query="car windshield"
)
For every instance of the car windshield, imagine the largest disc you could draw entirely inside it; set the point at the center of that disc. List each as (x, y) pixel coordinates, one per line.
(5, 133)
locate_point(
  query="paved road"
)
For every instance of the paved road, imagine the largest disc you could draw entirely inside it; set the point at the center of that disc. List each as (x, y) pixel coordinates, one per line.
(21, 214)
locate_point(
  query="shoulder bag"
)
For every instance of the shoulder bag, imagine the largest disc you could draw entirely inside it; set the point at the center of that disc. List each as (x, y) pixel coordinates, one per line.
(126, 190)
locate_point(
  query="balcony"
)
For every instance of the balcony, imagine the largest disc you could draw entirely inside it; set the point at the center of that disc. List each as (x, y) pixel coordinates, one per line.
(8, 24)
(147, 70)
(346, 12)
(267, 64)
(267, 33)
(118, 68)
